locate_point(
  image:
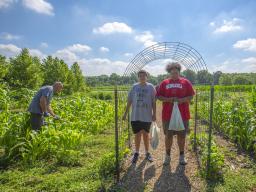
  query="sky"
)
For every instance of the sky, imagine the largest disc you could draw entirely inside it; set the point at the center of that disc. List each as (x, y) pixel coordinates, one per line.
(103, 36)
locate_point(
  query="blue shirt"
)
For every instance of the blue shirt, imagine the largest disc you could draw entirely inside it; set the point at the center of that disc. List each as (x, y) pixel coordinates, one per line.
(34, 106)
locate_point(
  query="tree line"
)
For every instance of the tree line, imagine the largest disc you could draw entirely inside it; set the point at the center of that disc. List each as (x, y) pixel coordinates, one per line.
(26, 71)
(202, 77)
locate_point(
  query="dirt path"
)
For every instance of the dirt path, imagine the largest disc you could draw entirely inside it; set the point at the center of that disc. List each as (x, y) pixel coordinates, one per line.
(146, 176)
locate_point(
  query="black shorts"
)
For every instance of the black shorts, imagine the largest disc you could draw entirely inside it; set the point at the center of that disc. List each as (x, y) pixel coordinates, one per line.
(36, 121)
(137, 126)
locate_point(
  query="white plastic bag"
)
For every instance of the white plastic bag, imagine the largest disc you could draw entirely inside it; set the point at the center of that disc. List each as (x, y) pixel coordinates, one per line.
(176, 122)
(154, 135)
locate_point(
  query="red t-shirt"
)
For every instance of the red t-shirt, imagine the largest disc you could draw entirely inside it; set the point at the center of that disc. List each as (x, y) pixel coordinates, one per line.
(175, 88)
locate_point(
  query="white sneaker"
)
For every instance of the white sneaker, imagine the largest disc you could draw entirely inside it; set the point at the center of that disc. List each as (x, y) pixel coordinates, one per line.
(167, 160)
(183, 160)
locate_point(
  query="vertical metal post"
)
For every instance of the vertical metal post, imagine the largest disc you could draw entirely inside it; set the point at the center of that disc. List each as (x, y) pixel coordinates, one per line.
(129, 131)
(210, 132)
(116, 137)
(195, 130)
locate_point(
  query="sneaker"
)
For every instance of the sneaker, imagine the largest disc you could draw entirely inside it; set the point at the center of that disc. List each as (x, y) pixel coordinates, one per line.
(135, 157)
(149, 157)
(167, 160)
(183, 160)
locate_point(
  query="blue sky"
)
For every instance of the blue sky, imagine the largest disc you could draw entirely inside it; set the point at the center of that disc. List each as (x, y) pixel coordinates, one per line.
(104, 35)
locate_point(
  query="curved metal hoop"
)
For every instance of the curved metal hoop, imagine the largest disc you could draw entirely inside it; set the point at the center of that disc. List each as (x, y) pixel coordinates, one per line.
(180, 52)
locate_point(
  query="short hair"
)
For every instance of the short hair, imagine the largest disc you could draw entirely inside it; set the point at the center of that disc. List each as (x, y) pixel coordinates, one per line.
(58, 83)
(142, 72)
(172, 65)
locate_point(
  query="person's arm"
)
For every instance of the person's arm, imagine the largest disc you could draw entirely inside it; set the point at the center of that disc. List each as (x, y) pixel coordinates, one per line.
(190, 93)
(128, 105)
(160, 94)
(185, 99)
(43, 104)
(49, 109)
(154, 110)
(165, 99)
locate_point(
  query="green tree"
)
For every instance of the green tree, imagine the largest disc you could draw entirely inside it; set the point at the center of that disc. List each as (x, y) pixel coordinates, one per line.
(25, 71)
(79, 80)
(70, 84)
(4, 67)
(204, 77)
(241, 80)
(216, 77)
(114, 78)
(55, 70)
(225, 79)
(190, 75)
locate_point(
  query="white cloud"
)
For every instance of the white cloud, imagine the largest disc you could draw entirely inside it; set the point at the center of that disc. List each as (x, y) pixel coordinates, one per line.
(250, 60)
(37, 53)
(227, 26)
(104, 49)
(212, 24)
(8, 36)
(157, 67)
(147, 38)
(44, 45)
(233, 65)
(128, 54)
(39, 6)
(99, 66)
(69, 55)
(6, 3)
(9, 50)
(115, 27)
(79, 48)
(66, 55)
(248, 44)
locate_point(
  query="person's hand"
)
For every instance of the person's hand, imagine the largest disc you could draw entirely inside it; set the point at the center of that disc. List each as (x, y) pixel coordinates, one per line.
(175, 99)
(44, 123)
(46, 114)
(56, 117)
(182, 100)
(124, 117)
(170, 99)
(154, 117)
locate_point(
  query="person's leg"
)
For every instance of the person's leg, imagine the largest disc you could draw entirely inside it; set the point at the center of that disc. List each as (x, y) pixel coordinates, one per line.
(146, 144)
(137, 139)
(181, 143)
(146, 140)
(36, 121)
(145, 133)
(168, 143)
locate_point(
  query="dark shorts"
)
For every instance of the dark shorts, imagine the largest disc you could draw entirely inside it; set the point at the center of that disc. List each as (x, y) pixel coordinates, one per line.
(137, 126)
(36, 121)
(171, 133)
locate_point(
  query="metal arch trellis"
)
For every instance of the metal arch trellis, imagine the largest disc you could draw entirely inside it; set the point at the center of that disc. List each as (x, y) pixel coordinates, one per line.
(180, 52)
(176, 51)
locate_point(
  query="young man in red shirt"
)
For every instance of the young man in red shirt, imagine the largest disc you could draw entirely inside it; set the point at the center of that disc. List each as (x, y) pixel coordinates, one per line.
(175, 89)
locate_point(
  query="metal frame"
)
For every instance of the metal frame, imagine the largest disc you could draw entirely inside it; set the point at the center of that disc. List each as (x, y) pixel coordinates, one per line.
(180, 52)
